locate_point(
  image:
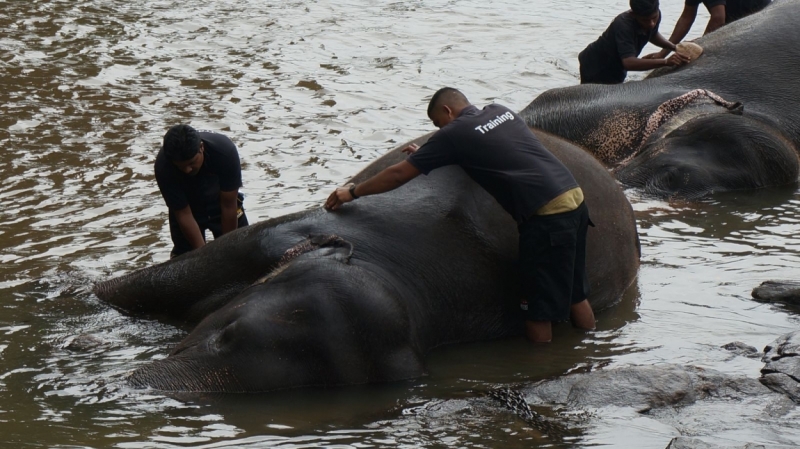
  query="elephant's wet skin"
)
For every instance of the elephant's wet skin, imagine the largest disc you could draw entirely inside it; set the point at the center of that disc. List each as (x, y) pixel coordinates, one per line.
(361, 295)
(726, 122)
(711, 154)
(329, 333)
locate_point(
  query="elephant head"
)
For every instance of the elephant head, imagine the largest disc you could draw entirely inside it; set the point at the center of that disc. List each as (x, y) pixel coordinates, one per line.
(318, 319)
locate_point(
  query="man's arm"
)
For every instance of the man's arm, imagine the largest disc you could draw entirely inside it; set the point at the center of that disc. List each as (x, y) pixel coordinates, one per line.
(684, 24)
(674, 60)
(388, 179)
(682, 27)
(659, 41)
(628, 50)
(634, 64)
(189, 227)
(717, 18)
(227, 204)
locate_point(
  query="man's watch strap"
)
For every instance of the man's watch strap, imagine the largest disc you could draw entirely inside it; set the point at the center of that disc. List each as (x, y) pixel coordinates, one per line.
(353, 191)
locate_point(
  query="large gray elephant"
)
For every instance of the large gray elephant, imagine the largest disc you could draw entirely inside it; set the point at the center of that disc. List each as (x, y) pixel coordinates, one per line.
(728, 121)
(319, 298)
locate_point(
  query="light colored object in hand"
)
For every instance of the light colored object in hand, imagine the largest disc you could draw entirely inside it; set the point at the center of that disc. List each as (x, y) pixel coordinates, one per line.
(689, 49)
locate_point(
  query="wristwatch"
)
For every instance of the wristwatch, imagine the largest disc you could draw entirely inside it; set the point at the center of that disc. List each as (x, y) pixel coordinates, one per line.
(353, 191)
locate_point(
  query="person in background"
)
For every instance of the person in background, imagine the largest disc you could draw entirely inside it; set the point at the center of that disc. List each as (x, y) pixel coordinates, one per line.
(609, 59)
(500, 153)
(199, 176)
(721, 11)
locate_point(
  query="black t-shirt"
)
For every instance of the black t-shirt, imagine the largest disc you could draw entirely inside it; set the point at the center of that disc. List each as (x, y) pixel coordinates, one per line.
(601, 61)
(220, 172)
(734, 9)
(497, 150)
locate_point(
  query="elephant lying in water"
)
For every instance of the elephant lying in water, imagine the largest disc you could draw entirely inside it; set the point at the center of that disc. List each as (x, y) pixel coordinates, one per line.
(728, 121)
(361, 295)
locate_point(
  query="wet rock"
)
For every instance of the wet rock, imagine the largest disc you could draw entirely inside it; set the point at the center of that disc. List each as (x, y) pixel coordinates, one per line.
(690, 443)
(742, 349)
(781, 372)
(84, 343)
(694, 443)
(642, 387)
(784, 292)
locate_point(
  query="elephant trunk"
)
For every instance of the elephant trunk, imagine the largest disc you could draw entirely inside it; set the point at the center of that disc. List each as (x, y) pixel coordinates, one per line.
(181, 375)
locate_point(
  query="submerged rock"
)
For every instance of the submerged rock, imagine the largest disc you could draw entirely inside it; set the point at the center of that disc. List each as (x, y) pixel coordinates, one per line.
(84, 343)
(706, 407)
(742, 349)
(689, 443)
(642, 387)
(694, 443)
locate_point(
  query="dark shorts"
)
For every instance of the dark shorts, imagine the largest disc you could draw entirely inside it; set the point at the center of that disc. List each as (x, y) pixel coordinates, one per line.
(213, 222)
(552, 261)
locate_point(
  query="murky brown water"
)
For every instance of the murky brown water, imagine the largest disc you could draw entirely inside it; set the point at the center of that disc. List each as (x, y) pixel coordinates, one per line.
(312, 91)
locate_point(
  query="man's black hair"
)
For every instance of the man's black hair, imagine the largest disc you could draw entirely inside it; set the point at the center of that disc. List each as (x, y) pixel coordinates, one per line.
(181, 143)
(446, 94)
(644, 8)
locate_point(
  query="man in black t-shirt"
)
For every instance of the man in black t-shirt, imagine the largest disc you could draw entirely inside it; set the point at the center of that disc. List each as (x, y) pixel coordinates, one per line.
(737, 9)
(722, 12)
(608, 59)
(199, 176)
(498, 151)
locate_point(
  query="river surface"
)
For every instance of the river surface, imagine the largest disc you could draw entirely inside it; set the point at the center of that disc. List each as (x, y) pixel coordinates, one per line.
(311, 92)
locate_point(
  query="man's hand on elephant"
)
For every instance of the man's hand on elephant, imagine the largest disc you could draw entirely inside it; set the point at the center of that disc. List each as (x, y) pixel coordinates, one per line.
(677, 60)
(339, 196)
(410, 149)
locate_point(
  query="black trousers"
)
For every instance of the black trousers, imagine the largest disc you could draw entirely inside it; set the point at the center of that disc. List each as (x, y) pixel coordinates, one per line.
(552, 261)
(212, 222)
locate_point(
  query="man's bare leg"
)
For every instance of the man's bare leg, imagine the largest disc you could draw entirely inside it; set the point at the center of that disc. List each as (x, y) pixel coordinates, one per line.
(582, 315)
(539, 331)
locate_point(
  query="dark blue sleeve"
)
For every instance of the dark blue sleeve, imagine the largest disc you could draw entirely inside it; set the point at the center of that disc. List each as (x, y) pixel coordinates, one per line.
(168, 184)
(625, 36)
(228, 166)
(230, 173)
(436, 152)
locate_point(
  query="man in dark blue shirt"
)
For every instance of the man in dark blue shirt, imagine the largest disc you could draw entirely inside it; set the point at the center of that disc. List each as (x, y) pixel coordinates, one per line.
(199, 176)
(608, 59)
(498, 151)
(722, 12)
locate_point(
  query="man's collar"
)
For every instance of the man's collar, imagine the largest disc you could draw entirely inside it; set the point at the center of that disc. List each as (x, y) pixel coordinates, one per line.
(470, 108)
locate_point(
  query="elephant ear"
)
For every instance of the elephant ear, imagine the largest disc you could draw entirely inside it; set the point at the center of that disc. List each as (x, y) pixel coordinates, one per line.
(322, 245)
(713, 153)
